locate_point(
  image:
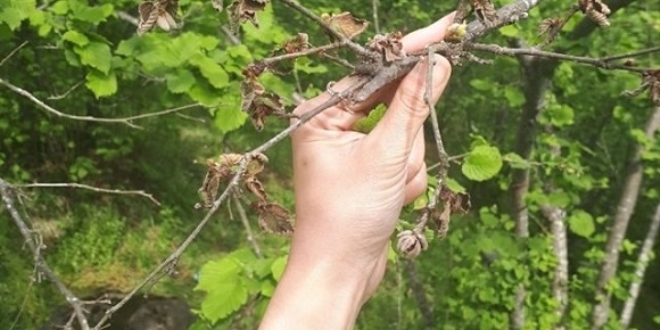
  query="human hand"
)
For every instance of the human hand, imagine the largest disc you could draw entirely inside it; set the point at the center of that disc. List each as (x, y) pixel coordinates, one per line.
(350, 189)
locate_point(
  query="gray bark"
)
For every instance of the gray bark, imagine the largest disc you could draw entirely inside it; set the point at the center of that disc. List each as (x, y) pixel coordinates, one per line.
(642, 263)
(620, 222)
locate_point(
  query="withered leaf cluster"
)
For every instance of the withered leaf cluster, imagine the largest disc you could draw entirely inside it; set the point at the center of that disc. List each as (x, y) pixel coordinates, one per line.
(157, 12)
(272, 217)
(596, 10)
(241, 11)
(258, 103)
(345, 24)
(452, 203)
(485, 11)
(389, 46)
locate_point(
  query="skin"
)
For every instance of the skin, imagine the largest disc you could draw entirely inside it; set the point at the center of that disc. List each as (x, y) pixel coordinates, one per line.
(350, 189)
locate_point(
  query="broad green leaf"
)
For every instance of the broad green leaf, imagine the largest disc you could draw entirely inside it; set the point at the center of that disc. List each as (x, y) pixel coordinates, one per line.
(559, 198)
(560, 115)
(482, 163)
(204, 94)
(59, 8)
(101, 84)
(75, 37)
(366, 124)
(225, 298)
(211, 70)
(94, 15)
(96, 55)
(13, 12)
(656, 319)
(127, 47)
(180, 82)
(229, 118)
(581, 223)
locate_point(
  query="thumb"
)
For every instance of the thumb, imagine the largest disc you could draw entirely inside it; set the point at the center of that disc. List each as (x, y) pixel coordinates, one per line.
(408, 110)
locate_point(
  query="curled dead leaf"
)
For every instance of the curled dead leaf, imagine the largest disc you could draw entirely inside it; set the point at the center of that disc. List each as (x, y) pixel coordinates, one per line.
(245, 10)
(596, 10)
(217, 172)
(158, 12)
(411, 243)
(388, 45)
(273, 218)
(296, 44)
(259, 104)
(346, 24)
(550, 25)
(485, 11)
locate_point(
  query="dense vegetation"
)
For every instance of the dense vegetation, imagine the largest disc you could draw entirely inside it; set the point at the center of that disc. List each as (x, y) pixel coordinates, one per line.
(560, 130)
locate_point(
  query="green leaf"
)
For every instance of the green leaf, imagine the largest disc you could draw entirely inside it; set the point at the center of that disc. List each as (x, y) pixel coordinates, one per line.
(203, 94)
(229, 118)
(656, 319)
(75, 37)
(278, 267)
(96, 55)
(515, 161)
(94, 15)
(515, 97)
(366, 124)
(180, 82)
(59, 8)
(509, 31)
(127, 47)
(13, 12)
(560, 115)
(454, 186)
(481, 85)
(101, 84)
(225, 298)
(211, 70)
(581, 223)
(482, 163)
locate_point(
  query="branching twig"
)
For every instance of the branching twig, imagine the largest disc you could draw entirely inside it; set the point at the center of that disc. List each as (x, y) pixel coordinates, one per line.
(320, 49)
(553, 31)
(8, 201)
(61, 96)
(631, 55)
(359, 50)
(84, 186)
(597, 62)
(246, 224)
(126, 120)
(127, 17)
(374, 10)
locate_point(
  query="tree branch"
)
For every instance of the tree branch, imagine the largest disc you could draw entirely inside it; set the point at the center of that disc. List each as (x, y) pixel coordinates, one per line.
(40, 263)
(126, 120)
(84, 186)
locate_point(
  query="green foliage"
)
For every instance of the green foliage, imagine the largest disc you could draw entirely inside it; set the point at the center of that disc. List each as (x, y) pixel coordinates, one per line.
(482, 163)
(366, 124)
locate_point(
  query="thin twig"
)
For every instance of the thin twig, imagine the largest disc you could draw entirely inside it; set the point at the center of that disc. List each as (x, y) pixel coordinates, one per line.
(496, 49)
(13, 52)
(246, 224)
(127, 17)
(84, 186)
(8, 201)
(374, 10)
(630, 55)
(125, 120)
(306, 52)
(359, 50)
(61, 96)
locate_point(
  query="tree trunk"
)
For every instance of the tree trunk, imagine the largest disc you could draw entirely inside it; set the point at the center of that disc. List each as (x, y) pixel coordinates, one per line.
(620, 222)
(642, 262)
(557, 217)
(537, 74)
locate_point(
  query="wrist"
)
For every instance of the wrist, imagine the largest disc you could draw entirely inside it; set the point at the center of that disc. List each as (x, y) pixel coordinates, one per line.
(317, 293)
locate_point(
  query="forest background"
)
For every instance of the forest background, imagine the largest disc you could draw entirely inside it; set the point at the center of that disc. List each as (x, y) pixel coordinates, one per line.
(562, 169)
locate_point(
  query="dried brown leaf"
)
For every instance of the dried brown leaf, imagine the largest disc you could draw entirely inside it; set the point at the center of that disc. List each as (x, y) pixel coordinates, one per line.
(273, 218)
(245, 10)
(346, 24)
(158, 12)
(217, 172)
(388, 45)
(259, 104)
(596, 10)
(485, 11)
(411, 243)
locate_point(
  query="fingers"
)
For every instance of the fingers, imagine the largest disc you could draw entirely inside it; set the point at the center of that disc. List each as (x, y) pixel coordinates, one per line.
(419, 39)
(407, 111)
(417, 186)
(416, 157)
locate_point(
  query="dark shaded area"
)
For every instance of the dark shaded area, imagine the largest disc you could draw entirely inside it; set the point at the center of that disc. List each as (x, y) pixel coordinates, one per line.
(139, 313)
